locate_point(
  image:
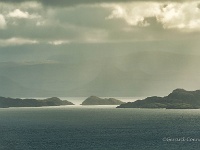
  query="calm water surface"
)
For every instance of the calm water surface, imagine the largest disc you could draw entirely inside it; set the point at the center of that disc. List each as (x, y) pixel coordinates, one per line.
(98, 128)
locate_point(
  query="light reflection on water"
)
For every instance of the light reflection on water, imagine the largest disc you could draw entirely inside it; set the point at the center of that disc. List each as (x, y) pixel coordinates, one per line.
(97, 127)
(79, 100)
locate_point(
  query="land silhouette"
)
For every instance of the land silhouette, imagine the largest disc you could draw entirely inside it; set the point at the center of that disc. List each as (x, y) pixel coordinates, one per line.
(17, 102)
(94, 100)
(178, 99)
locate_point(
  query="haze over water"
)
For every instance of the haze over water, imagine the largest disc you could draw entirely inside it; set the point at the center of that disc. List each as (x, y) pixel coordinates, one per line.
(79, 100)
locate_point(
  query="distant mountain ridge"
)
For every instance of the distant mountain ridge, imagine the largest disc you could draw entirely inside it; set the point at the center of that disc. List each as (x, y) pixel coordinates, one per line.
(94, 100)
(12, 102)
(178, 99)
(136, 73)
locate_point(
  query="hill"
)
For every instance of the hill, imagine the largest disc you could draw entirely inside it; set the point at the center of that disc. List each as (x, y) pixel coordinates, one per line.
(93, 100)
(178, 99)
(12, 102)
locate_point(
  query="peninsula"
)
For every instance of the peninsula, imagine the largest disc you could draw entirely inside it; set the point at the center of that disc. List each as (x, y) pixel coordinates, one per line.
(178, 99)
(17, 102)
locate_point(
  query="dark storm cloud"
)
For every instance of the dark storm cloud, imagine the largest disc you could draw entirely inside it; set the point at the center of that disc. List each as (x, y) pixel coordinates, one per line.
(82, 2)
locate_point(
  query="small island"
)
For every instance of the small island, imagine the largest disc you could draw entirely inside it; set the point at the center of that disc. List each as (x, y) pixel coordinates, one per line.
(94, 100)
(178, 99)
(17, 102)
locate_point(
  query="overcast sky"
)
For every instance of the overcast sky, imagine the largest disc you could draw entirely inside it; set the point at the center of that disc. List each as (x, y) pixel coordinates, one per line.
(98, 47)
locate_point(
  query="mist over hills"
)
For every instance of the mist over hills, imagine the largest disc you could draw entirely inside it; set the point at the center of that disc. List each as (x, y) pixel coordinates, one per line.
(140, 73)
(68, 51)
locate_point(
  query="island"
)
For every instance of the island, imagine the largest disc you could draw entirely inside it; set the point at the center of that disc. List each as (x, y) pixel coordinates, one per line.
(6, 102)
(94, 100)
(178, 99)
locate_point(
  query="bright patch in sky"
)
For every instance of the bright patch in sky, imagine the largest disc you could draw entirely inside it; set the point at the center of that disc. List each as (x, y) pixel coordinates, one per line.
(2, 22)
(17, 13)
(17, 41)
(184, 15)
(59, 42)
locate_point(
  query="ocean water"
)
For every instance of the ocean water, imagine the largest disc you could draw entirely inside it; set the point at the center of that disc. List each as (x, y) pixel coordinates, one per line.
(98, 128)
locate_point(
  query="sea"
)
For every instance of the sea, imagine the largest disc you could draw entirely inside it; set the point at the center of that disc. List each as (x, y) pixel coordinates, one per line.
(98, 128)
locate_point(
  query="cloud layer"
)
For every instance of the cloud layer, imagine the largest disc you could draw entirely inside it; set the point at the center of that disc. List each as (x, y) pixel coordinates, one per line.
(171, 15)
(109, 22)
(16, 41)
(2, 22)
(67, 3)
(105, 47)
(17, 13)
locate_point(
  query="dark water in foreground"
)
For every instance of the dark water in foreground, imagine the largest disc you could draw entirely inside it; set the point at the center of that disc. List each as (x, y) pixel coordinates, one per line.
(101, 128)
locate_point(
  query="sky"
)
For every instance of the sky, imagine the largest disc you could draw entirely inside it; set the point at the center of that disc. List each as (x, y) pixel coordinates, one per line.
(112, 48)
